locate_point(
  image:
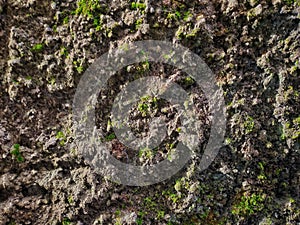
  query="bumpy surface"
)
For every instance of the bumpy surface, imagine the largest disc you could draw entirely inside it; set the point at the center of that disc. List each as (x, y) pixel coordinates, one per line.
(251, 46)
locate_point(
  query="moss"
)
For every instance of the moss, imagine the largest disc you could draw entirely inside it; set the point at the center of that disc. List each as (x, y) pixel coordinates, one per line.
(118, 221)
(143, 108)
(63, 51)
(192, 33)
(147, 105)
(79, 69)
(28, 78)
(160, 214)
(248, 125)
(171, 16)
(138, 5)
(38, 47)
(16, 152)
(178, 185)
(156, 25)
(61, 137)
(66, 20)
(52, 81)
(90, 8)
(174, 197)
(78, 66)
(292, 2)
(290, 130)
(296, 121)
(70, 199)
(110, 137)
(228, 141)
(189, 81)
(138, 23)
(180, 32)
(98, 23)
(149, 203)
(147, 153)
(66, 221)
(139, 219)
(249, 204)
(118, 212)
(187, 16)
(178, 14)
(262, 175)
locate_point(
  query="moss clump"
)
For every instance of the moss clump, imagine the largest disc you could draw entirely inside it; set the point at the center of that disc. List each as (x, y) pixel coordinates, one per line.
(138, 5)
(249, 204)
(16, 152)
(90, 8)
(37, 48)
(248, 124)
(147, 105)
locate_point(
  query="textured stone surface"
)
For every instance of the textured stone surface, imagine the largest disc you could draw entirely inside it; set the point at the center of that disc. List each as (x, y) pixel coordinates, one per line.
(251, 46)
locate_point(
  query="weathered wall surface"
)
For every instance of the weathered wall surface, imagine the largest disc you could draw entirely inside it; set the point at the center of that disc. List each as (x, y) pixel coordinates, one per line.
(251, 46)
